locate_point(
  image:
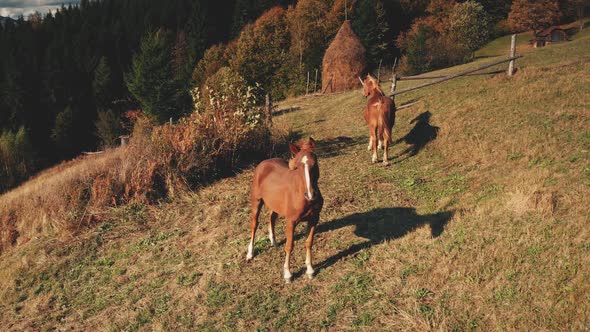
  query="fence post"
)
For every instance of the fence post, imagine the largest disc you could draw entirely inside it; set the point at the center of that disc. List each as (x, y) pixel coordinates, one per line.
(512, 55)
(307, 85)
(315, 83)
(268, 107)
(393, 76)
(379, 70)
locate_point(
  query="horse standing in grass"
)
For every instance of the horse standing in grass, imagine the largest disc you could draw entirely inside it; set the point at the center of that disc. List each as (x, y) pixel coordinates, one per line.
(289, 190)
(380, 116)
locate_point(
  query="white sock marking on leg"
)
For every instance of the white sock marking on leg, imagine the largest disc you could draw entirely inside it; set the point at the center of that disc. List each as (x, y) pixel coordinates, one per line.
(250, 251)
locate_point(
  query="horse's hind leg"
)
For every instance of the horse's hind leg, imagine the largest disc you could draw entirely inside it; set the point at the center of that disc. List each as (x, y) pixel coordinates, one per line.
(374, 144)
(256, 207)
(271, 228)
(385, 147)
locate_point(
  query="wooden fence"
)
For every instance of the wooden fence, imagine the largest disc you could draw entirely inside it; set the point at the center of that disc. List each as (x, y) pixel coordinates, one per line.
(437, 78)
(443, 78)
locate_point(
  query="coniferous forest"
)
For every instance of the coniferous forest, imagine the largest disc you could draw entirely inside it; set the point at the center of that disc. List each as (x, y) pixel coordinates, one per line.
(68, 78)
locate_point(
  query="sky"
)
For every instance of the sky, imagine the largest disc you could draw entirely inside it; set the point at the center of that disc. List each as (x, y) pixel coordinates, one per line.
(15, 8)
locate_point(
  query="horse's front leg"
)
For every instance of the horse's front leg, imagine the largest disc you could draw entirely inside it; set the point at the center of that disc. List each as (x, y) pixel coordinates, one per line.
(308, 244)
(289, 234)
(256, 206)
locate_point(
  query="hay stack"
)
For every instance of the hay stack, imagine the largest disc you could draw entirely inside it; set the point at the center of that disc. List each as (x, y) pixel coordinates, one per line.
(344, 61)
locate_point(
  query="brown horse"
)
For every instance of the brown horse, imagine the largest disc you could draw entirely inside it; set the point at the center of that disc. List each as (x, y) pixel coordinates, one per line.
(289, 190)
(380, 116)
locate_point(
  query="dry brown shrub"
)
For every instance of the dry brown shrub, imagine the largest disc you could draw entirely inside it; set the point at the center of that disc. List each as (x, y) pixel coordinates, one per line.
(344, 61)
(157, 163)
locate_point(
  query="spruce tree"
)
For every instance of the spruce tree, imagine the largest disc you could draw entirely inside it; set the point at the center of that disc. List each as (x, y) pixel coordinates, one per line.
(151, 80)
(101, 85)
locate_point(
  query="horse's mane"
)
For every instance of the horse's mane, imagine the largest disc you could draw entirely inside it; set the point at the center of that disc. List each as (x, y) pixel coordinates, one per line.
(375, 83)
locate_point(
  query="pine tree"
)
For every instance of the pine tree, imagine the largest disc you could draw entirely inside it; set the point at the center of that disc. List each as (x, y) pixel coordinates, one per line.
(151, 80)
(101, 85)
(61, 134)
(241, 15)
(196, 34)
(370, 24)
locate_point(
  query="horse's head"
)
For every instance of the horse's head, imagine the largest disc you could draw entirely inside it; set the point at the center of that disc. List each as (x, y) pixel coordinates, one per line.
(305, 160)
(370, 84)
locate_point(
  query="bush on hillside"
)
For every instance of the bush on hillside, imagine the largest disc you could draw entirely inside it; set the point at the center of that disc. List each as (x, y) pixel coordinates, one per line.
(108, 128)
(447, 37)
(211, 62)
(226, 130)
(16, 158)
(261, 53)
(468, 25)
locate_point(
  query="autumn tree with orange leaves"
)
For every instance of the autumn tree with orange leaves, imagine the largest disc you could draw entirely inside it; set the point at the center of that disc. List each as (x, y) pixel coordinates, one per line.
(534, 15)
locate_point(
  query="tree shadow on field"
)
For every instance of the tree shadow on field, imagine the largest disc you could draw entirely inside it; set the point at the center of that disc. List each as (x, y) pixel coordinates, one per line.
(335, 146)
(378, 225)
(422, 134)
(286, 111)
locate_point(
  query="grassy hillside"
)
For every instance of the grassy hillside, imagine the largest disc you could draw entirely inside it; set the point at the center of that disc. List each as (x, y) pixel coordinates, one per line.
(480, 223)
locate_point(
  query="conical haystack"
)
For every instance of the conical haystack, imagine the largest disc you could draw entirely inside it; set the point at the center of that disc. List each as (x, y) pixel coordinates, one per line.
(344, 61)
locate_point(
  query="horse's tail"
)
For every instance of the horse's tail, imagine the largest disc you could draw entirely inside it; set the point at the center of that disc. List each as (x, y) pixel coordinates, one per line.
(383, 127)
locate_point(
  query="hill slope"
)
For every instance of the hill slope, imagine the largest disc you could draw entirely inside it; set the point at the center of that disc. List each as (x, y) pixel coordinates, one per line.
(480, 223)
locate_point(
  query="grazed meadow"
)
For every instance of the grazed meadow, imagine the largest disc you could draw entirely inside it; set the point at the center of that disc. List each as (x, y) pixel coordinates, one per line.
(480, 223)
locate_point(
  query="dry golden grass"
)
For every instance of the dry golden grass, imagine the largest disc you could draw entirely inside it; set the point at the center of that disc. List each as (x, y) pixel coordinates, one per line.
(481, 224)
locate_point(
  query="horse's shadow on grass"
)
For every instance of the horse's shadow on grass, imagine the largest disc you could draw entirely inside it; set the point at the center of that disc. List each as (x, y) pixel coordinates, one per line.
(422, 134)
(377, 226)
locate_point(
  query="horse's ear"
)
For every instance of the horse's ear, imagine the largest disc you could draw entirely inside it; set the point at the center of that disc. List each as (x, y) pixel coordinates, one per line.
(311, 143)
(294, 149)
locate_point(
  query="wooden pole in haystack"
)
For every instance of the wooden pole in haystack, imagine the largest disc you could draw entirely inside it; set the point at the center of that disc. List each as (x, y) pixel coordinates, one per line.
(345, 11)
(512, 55)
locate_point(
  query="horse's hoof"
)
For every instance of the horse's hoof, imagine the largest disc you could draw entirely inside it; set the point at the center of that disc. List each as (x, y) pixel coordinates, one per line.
(369, 148)
(310, 275)
(287, 280)
(385, 163)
